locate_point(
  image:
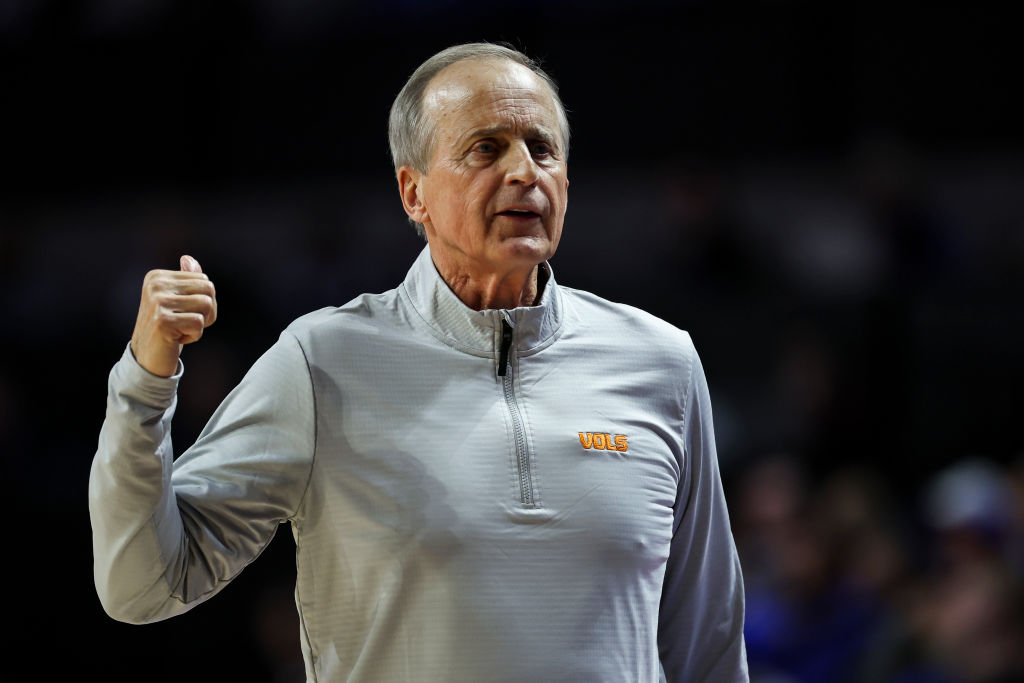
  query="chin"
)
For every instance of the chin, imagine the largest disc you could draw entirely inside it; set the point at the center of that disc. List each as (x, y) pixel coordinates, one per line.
(527, 249)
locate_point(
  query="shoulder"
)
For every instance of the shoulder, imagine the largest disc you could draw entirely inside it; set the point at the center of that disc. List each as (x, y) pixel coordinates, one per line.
(625, 325)
(362, 314)
(660, 356)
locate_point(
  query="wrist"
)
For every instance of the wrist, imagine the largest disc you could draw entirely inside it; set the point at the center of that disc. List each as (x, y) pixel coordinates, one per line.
(163, 363)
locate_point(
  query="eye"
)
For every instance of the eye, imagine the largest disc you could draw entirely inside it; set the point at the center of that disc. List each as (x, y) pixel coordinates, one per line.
(541, 149)
(485, 147)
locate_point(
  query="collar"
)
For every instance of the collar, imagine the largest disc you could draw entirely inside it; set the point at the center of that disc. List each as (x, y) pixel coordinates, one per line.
(478, 332)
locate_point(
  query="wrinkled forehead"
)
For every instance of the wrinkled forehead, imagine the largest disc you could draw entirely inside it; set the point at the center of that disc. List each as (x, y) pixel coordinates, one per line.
(471, 93)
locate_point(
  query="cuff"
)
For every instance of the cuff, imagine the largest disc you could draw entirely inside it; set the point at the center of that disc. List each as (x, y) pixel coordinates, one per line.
(128, 377)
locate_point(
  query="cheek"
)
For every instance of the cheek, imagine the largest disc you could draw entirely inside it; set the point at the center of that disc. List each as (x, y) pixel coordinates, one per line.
(561, 192)
(460, 208)
(465, 198)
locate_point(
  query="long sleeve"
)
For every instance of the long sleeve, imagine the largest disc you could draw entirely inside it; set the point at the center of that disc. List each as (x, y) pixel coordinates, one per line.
(700, 629)
(169, 534)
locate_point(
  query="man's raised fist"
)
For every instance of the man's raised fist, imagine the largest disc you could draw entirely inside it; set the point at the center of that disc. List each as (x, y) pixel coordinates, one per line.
(176, 306)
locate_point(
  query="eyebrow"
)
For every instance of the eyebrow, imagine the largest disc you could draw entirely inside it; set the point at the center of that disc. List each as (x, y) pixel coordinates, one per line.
(533, 133)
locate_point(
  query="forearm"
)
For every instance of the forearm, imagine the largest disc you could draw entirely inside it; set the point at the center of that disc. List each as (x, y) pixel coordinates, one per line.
(138, 536)
(702, 611)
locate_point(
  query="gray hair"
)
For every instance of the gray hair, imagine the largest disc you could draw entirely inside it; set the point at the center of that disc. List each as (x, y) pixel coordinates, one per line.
(411, 133)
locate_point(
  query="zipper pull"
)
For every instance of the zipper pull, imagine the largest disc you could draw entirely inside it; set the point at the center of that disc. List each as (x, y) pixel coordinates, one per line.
(506, 343)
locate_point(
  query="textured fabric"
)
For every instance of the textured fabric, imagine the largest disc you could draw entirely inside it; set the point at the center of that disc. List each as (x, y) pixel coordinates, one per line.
(561, 518)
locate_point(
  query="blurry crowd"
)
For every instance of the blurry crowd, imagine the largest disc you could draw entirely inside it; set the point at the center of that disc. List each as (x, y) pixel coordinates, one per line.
(849, 580)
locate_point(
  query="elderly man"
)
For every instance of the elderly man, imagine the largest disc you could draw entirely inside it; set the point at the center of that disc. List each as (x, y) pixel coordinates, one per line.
(489, 477)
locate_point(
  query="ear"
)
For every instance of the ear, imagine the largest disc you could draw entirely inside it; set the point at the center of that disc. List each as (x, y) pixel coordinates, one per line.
(411, 190)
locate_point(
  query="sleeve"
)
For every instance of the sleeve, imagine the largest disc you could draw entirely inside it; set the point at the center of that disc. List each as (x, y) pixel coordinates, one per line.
(168, 535)
(700, 625)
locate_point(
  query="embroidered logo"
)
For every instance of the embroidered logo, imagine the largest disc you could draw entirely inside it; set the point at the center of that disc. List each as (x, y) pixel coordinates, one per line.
(604, 442)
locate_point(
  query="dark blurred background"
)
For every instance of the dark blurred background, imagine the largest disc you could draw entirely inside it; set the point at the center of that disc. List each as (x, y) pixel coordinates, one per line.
(828, 196)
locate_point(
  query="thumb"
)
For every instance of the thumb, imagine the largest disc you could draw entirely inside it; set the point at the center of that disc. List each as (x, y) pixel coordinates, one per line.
(190, 265)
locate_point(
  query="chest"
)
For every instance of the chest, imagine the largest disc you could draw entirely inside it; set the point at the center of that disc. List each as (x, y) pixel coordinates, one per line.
(433, 451)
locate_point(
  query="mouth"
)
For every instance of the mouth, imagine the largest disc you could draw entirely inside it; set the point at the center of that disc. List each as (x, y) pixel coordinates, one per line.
(518, 214)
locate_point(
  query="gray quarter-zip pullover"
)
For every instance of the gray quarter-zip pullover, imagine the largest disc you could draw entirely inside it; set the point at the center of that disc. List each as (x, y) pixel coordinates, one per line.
(502, 495)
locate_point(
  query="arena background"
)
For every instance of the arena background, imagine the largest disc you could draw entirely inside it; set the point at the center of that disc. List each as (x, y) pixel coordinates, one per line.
(827, 195)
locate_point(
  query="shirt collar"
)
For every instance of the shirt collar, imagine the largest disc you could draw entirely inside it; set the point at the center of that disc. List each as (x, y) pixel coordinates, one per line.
(476, 332)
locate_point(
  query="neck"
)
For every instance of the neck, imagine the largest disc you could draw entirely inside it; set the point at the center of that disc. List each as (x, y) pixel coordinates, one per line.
(491, 290)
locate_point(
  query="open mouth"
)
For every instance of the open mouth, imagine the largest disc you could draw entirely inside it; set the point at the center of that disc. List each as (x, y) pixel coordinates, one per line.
(518, 213)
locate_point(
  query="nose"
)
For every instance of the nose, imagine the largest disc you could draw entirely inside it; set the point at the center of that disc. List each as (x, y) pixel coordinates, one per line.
(520, 167)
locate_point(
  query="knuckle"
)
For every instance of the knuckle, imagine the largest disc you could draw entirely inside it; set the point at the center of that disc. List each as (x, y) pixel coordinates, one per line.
(154, 275)
(154, 283)
(202, 305)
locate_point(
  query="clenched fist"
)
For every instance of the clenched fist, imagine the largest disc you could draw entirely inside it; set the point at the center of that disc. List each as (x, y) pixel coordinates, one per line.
(176, 306)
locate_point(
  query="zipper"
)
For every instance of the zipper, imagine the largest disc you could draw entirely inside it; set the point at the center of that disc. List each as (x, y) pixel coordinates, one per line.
(506, 344)
(518, 429)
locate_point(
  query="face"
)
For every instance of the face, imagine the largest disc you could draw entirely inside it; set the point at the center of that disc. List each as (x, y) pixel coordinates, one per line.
(493, 198)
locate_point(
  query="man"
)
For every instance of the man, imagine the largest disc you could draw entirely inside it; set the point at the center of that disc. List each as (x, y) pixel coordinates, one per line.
(489, 477)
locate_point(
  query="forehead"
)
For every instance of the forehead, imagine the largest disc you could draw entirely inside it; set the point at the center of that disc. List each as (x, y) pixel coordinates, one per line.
(474, 94)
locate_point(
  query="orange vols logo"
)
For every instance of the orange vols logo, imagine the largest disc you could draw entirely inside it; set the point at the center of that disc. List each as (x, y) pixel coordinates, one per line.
(604, 442)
